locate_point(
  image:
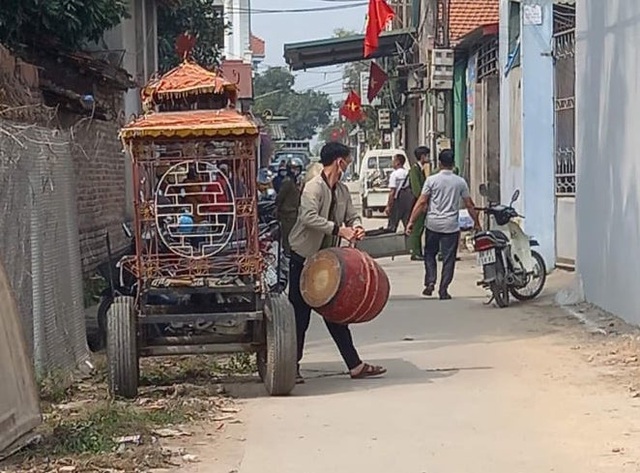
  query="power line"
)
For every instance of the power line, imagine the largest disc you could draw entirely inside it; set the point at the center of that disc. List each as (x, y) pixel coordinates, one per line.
(311, 87)
(256, 11)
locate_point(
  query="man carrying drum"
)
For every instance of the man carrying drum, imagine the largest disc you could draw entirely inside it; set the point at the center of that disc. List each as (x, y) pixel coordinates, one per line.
(326, 215)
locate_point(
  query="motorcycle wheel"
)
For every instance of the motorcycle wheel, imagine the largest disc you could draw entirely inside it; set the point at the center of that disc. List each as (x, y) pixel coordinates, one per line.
(499, 287)
(539, 278)
(98, 341)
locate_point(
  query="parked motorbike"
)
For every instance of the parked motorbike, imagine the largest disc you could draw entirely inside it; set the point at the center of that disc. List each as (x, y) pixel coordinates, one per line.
(509, 264)
(120, 282)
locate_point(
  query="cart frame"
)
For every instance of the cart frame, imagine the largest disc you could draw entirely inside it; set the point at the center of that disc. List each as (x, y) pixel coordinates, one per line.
(199, 264)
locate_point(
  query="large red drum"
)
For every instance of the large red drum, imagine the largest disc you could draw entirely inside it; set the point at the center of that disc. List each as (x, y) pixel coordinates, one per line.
(344, 285)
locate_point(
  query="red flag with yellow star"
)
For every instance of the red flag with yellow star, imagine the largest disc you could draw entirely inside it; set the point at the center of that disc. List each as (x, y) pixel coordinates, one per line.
(377, 79)
(352, 108)
(378, 17)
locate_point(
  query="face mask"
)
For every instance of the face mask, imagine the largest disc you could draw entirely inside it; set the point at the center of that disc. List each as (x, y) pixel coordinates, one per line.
(342, 168)
(282, 173)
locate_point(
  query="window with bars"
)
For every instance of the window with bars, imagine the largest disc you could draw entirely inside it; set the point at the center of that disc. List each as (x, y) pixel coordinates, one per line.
(564, 42)
(488, 58)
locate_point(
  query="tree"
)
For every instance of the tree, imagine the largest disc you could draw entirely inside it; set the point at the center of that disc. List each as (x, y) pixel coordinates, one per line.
(307, 111)
(64, 24)
(200, 18)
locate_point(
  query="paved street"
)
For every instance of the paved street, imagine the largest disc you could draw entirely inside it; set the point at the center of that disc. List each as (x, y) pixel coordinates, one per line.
(470, 388)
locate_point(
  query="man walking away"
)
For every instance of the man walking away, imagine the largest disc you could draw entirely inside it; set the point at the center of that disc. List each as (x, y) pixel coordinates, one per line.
(417, 176)
(401, 198)
(441, 200)
(326, 215)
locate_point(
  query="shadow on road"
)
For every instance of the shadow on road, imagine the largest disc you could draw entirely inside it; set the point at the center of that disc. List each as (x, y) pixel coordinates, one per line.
(323, 379)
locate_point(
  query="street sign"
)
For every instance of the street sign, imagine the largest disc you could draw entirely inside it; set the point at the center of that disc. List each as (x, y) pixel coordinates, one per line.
(384, 119)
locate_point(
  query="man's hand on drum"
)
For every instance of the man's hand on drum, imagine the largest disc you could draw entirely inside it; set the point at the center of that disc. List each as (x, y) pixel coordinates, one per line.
(351, 233)
(347, 233)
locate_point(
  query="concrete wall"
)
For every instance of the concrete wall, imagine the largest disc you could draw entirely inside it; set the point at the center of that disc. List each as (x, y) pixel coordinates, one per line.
(491, 99)
(534, 173)
(608, 143)
(237, 44)
(538, 148)
(566, 235)
(510, 112)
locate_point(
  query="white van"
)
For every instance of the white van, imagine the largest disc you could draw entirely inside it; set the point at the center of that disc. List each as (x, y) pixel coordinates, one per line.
(375, 170)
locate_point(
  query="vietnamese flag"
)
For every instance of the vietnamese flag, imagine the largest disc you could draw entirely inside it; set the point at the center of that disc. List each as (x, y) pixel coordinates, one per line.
(377, 79)
(352, 108)
(378, 16)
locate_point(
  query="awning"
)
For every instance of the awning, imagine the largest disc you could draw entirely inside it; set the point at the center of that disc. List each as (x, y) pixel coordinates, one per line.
(474, 37)
(332, 51)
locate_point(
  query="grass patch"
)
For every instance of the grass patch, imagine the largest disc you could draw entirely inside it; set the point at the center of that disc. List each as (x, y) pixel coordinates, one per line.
(98, 430)
(83, 427)
(55, 388)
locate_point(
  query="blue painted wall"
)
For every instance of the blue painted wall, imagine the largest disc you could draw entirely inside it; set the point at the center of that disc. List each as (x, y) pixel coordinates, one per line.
(527, 133)
(538, 132)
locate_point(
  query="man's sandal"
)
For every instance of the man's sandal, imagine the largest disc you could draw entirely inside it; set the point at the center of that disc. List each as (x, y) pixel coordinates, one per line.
(369, 371)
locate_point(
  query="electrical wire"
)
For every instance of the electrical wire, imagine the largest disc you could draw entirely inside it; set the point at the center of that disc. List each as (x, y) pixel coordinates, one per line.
(256, 11)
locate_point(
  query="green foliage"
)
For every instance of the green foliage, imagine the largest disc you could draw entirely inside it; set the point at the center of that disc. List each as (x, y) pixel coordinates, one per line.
(200, 18)
(307, 111)
(97, 431)
(66, 24)
(55, 387)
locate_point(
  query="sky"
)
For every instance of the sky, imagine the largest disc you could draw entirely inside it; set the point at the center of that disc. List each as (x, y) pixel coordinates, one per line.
(280, 28)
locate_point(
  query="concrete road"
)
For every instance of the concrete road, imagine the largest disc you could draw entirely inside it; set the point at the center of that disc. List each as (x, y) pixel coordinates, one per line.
(471, 388)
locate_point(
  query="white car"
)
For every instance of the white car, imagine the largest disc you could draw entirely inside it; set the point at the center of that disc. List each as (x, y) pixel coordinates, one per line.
(375, 170)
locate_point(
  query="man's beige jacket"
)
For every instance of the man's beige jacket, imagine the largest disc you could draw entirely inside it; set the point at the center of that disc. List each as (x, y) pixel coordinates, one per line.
(313, 223)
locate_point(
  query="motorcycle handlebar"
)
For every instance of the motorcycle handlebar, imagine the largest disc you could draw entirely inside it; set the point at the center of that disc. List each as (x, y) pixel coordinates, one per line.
(485, 209)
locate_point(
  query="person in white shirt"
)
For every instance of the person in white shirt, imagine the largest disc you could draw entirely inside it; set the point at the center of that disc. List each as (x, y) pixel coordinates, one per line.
(401, 199)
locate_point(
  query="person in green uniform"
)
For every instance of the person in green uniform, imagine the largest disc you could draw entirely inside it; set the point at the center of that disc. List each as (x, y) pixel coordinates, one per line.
(288, 201)
(417, 176)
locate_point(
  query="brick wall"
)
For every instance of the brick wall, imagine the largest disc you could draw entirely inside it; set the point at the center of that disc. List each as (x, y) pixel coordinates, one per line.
(100, 176)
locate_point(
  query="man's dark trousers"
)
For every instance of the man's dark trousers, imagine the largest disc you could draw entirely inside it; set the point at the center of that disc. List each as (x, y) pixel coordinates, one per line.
(340, 333)
(447, 244)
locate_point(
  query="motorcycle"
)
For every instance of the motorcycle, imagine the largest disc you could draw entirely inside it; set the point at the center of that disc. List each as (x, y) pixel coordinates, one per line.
(509, 264)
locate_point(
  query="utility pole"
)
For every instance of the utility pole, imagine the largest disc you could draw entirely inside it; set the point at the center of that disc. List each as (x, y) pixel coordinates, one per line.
(440, 98)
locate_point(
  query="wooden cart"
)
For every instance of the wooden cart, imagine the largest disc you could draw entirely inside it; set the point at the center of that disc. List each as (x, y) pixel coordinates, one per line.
(199, 263)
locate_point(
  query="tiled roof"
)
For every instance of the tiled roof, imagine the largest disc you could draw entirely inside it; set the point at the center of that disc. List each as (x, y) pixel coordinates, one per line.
(468, 15)
(257, 46)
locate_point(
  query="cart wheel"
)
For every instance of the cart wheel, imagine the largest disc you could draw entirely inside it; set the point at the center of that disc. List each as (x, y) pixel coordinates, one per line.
(278, 371)
(261, 361)
(122, 352)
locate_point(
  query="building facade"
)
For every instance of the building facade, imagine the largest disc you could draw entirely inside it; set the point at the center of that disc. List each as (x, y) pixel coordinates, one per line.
(527, 149)
(607, 143)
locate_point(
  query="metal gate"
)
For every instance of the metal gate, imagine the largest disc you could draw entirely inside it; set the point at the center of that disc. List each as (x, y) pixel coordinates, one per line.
(565, 133)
